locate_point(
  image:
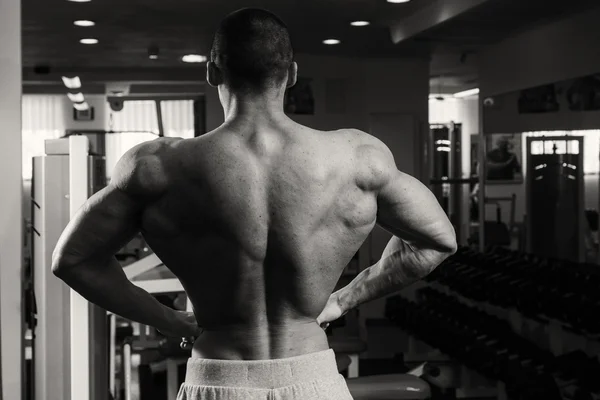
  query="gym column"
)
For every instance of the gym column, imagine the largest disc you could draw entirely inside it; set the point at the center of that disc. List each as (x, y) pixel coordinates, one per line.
(11, 228)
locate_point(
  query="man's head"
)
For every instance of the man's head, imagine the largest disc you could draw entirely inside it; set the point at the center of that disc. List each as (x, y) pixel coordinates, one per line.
(252, 53)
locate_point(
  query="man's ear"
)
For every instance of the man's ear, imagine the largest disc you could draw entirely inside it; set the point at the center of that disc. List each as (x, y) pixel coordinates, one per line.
(292, 75)
(214, 76)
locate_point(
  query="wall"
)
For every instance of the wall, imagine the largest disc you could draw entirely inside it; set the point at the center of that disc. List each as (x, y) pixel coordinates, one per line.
(402, 86)
(11, 222)
(101, 108)
(550, 53)
(504, 116)
(545, 54)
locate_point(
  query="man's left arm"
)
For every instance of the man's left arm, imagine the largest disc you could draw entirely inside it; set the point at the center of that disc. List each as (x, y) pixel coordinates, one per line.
(84, 257)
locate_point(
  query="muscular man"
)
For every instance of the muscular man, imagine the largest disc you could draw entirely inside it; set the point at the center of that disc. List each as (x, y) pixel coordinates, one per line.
(258, 219)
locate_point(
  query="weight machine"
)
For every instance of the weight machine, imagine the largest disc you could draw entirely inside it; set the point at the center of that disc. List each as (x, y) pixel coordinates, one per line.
(68, 362)
(72, 356)
(555, 197)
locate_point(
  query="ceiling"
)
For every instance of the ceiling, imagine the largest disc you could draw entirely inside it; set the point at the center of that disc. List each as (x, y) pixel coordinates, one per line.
(455, 45)
(451, 32)
(126, 28)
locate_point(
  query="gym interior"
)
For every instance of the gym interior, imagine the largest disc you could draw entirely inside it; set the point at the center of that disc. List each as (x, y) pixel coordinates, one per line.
(493, 104)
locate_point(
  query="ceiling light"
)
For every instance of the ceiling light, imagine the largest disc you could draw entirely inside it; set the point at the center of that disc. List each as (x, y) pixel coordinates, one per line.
(81, 106)
(72, 83)
(153, 52)
(467, 93)
(331, 41)
(76, 98)
(80, 1)
(194, 58)
(84, 22)
(88, 41)
(398, 1)
(360, 23)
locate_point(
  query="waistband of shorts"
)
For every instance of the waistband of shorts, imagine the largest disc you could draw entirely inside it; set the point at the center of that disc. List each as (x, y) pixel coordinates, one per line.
(262, 373)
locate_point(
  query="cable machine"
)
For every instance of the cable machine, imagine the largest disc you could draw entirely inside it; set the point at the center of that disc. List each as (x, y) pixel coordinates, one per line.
(446, 175)
(555, 197)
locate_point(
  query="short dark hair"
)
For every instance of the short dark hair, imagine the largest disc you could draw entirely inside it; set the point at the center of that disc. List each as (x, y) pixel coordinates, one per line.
(253, 48)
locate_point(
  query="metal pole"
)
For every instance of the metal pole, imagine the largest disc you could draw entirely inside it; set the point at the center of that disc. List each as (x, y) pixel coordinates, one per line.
(159, 118)
(127, 369)
(581, 205)
(452, 174)
(482, 172)
(112, 359)
(79, 313)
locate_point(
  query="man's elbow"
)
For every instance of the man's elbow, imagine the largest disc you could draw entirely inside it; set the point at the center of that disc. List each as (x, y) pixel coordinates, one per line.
(449, 247)
(444, 249)
(446, 244)
(62, 265)
(58, 265)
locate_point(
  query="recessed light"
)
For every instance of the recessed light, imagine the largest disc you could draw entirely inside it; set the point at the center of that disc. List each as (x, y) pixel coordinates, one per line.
(76, 97)
(398, 1)
(467, 93)
(153, 51)
(80, 1)
(84, 22)
(360, 23)
(72, 83)
(331, 41)
(81, 106)
(88, 41)
(194, 58)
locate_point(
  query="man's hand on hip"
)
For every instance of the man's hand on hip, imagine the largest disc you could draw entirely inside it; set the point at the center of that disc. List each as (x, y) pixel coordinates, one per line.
(184, 325)
(331, 312)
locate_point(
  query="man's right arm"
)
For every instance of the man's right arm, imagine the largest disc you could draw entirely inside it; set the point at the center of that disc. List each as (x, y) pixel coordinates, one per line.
(423, 238)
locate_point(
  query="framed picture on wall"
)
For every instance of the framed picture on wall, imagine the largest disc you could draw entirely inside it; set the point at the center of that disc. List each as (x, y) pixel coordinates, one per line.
(504, 158)
(299, 99)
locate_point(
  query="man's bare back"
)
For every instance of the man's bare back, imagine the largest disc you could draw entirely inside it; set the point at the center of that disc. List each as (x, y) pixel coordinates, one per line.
(258, 224)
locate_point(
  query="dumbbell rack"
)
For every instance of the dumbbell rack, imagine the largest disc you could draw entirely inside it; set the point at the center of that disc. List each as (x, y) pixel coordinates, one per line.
(549, 301)
(495, 285)
(481, 342)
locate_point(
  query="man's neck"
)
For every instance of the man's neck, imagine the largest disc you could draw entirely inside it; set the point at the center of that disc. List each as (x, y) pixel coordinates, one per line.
(253, 109)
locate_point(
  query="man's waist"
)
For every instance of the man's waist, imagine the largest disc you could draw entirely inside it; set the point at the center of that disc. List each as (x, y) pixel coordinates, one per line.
(262, 342)
(258, 326)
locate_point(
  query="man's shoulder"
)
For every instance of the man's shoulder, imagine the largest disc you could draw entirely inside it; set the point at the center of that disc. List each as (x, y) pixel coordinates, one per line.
(373, 158)
(362, 140)
(144, 170)
(369, 149)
